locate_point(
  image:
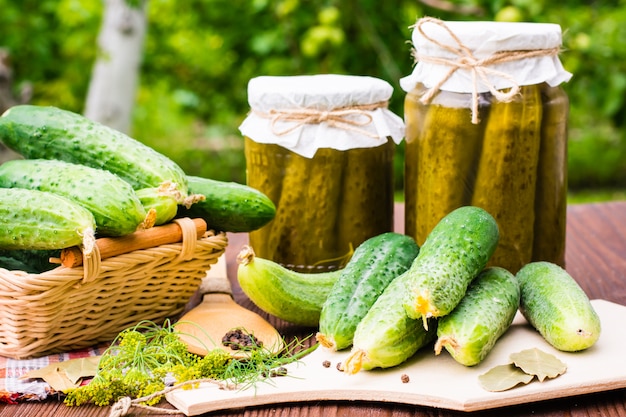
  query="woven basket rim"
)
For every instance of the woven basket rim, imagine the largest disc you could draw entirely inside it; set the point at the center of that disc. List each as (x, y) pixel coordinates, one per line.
(21, 279)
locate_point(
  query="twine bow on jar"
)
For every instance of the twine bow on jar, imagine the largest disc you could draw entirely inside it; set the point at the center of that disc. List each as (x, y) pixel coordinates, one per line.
(480, 69)
(351, 118)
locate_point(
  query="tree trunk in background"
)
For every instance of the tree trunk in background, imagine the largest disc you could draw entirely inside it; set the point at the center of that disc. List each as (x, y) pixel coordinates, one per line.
(113, 84)
(8, 99)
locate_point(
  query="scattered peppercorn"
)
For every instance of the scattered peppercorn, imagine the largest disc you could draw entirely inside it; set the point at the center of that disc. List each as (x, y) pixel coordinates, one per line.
(326, 364)
(237, 339)
(404, 378)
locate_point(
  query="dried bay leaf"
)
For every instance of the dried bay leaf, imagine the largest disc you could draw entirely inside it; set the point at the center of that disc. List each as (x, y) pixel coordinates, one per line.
(536, 362)
(504, 377)
(62, 376)
(77, 369)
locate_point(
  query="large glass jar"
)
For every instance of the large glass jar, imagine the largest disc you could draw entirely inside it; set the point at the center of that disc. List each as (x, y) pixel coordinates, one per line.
(321, 148)
(496, 139)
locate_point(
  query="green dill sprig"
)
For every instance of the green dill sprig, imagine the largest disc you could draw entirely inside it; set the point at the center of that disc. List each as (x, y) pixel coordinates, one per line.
(143, 360)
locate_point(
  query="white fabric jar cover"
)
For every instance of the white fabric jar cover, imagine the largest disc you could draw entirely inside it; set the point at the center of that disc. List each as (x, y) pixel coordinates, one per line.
(307, 112)
(460, 48)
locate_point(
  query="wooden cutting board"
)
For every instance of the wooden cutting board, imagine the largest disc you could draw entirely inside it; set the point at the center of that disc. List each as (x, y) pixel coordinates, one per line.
(435, 381)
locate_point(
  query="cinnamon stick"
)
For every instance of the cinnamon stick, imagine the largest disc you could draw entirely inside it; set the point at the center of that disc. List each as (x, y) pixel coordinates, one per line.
(141, 239)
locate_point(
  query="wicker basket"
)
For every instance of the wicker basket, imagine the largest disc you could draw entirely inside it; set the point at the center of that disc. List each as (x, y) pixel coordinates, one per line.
(72, 308)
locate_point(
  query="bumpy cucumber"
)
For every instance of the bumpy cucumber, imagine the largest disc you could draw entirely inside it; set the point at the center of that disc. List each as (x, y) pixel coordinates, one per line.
(51, 133)
(555, 305)
(374, 264)
(486, 312)
(228, 206)
(291, 296)
(113, 202)
(454, 253)
(387, 336)
(162, 202)
(32, 219)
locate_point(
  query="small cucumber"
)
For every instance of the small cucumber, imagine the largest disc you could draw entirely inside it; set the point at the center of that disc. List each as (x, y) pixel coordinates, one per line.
(113, 202)
(486, 312)
(32, 219)
(162, 200)
(51, 133)
(374, 264)
(454, 253)
(228, 206)
(555, 305)
(291, 296)
(387, 336)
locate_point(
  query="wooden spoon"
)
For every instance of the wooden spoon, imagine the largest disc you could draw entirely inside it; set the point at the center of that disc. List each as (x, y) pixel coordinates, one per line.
(203, 327)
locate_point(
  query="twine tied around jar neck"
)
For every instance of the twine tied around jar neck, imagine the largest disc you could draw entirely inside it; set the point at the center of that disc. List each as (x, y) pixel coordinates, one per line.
(339, 118)
(480, 68)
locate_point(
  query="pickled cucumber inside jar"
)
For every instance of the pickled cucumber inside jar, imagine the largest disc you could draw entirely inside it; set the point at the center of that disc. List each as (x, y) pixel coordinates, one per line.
(326, 162)
(492, 136)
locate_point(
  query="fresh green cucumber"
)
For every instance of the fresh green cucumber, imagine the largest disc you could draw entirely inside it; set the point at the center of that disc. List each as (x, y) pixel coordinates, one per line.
(43, 132)
(486, 312)
(228, 206)
(291, 296)
(112, 201)
(32, 219)
(374, 264)
(161, 200)
(387, 336)
(554, 304)
(454, 253)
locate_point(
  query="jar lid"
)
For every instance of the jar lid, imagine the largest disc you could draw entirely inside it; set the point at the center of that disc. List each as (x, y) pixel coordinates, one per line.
(466, 57)
(306, 112)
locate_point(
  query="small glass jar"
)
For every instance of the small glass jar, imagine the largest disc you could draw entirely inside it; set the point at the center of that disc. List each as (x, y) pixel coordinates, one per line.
(321, 148)
(496, 139)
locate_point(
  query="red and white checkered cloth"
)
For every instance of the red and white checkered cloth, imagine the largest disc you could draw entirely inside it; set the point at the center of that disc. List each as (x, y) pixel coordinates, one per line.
(13, 389)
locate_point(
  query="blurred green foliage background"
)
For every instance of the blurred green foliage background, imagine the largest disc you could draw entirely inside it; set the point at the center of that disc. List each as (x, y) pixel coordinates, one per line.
(200, 54)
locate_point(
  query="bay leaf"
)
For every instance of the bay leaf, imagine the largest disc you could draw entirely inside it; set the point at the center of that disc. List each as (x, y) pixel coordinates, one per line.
(62, 376)
(503, 377)
(537, 362)
(77, 369)
(53, 375)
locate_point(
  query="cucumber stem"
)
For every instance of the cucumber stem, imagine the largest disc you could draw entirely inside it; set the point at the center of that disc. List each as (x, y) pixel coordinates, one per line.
(443, 341)
(246, 255)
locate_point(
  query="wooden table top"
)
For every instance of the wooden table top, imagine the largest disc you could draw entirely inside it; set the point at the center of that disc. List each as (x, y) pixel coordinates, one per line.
(595, 257)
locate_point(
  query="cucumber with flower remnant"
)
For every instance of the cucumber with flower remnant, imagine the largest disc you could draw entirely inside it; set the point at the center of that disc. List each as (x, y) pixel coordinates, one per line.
(45, 132)
(161, 201)
(454, 253)
(32, 219)
(387, 336)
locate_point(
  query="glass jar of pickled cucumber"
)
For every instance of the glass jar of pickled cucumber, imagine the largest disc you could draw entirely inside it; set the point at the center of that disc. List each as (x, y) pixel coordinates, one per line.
(321, 147)
(486, 125)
